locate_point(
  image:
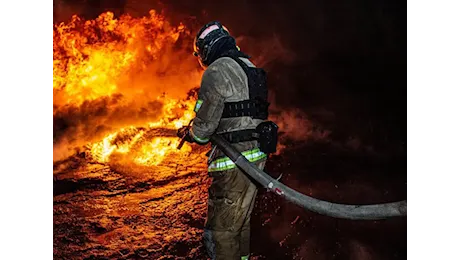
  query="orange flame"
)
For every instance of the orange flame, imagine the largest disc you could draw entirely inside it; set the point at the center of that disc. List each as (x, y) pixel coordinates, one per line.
(138, 61)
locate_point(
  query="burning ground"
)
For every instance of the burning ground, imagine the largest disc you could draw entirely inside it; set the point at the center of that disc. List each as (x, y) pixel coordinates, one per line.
(123, 85)
(120, 212)
(121, 188)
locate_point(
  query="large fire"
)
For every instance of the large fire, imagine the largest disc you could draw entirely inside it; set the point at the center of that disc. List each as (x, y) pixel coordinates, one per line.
(120, 80)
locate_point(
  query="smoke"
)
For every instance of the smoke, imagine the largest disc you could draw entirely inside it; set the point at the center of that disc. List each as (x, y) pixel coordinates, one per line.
(63, 10)
(75, 126)
(295, 127)
(294, 124)
(265, 50)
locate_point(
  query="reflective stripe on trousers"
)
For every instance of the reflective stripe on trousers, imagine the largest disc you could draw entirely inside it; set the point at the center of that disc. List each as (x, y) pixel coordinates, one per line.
(226, 163)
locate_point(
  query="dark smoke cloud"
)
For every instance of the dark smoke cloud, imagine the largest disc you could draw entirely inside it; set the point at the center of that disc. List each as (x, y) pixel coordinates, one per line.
(266, 50)
(93, 119)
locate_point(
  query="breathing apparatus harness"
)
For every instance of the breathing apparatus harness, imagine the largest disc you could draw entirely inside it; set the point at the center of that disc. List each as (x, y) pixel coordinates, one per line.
(256, 107)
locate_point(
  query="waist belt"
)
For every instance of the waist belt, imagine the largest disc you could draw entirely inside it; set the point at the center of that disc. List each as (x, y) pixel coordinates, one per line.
(240, 136)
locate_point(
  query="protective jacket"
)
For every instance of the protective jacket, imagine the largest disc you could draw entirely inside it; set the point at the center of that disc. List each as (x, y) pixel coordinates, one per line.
(224, 81)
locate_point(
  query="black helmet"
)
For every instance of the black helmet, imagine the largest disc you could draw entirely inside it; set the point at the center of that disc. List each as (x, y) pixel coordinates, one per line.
(206, 39)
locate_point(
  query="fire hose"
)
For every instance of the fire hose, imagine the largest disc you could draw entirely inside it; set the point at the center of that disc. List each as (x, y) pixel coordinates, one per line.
(368, 212)
(336, 210)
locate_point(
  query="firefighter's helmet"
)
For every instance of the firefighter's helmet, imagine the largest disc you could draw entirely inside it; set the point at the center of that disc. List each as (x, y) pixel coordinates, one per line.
(207, 38)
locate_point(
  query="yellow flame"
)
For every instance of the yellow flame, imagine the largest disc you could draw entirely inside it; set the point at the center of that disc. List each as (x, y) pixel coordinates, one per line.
(102, 57)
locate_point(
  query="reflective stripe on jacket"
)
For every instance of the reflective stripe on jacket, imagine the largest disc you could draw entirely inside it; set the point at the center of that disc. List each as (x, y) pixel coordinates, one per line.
(226, 163)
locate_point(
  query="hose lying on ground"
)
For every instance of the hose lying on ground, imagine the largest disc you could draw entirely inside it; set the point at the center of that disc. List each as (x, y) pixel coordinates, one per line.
(369, 212)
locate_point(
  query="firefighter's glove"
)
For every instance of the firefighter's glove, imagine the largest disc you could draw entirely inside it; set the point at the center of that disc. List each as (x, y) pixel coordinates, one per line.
(184, 133)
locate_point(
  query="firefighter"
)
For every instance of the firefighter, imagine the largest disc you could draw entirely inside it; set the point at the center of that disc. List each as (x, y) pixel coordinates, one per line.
(232, 102)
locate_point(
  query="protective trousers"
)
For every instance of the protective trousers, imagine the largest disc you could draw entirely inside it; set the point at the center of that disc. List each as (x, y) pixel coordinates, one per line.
(231, 200)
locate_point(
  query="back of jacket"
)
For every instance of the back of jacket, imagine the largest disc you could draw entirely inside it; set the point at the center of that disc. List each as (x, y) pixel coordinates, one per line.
(223, 81)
